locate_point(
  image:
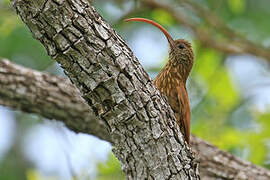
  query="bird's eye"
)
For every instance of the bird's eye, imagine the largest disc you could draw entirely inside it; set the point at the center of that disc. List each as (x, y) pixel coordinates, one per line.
(181, 46)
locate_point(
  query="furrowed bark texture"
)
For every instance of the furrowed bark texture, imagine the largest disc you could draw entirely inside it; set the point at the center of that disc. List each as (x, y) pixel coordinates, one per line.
(22, 88)
(143, 130)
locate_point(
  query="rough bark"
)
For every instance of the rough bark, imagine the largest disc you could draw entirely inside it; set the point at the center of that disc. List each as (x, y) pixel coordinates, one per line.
(219, 165)
(50, 96)
(24, 89)
(145, 136)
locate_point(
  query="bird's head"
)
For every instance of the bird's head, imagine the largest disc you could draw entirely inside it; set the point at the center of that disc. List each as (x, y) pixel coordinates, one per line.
(180, 52)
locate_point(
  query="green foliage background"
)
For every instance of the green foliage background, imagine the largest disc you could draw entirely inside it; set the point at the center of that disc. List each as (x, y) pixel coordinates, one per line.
(221, 114)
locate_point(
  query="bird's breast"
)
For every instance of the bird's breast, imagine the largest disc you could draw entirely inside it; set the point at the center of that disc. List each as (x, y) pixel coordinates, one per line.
(166, 83)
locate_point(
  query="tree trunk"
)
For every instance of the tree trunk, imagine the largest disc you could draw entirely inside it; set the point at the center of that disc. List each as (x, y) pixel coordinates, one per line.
(144, 133)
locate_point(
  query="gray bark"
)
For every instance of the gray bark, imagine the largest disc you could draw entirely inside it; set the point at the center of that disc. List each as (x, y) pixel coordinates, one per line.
(219, 165)
(50, 96)
(145, 136)
(24, 89)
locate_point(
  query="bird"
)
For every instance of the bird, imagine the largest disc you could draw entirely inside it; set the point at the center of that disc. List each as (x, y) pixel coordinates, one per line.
(171, 80)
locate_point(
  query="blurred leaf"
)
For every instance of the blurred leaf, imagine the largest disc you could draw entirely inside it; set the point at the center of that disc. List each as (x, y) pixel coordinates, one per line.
(230, 138)
(6, 1)
(237, 6)
(19, 46)
(207, 62)
(163, 17)
(215, 75)
(110, 170)
(223, 89)
(263, 120)
(7, 25)
(33, 174)
(257, 148)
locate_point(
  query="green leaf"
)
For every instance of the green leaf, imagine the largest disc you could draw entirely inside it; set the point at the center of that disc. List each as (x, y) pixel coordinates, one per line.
(237, 6)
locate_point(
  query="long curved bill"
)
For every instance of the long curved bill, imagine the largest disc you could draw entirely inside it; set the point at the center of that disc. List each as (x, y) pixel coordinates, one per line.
(165, 32)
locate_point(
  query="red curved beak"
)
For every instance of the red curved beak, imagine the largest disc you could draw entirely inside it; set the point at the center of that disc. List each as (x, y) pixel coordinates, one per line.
(165, 32)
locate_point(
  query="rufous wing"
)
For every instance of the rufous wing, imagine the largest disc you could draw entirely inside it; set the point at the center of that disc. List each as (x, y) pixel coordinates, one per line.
(184, 118)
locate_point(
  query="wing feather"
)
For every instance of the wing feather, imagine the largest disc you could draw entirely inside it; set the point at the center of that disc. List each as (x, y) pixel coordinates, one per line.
(183, 100)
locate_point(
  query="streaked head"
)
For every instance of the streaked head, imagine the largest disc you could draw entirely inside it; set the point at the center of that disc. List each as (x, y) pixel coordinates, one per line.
(180, 50)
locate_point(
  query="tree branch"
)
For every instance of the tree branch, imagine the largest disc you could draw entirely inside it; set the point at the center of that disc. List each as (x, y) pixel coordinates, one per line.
(145, 136)
(36, 92)
(50, 96)
(216, 164)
